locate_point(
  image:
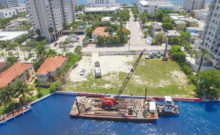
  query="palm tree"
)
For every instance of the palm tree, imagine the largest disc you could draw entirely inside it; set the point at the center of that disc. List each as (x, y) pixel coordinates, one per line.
(41, 50)
(2, 55)
(6, 96)
(51, 30)
(22, 92)
(51, 53)
(38, 33)
(11, 59)
(202, 54)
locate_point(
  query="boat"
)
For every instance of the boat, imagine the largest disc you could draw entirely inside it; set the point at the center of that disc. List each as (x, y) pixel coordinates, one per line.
(168, 108)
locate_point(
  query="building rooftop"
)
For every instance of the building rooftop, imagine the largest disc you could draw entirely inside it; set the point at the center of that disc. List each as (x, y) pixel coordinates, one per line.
(156, 26)
(180, 22)
(173, 33)
(51, 64)
(101, 9)
(10, 35)
(106, 19)
(11, 73)
(100, 31)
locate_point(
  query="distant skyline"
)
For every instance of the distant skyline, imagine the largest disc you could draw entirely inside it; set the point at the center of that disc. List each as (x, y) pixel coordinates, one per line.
(119, 1)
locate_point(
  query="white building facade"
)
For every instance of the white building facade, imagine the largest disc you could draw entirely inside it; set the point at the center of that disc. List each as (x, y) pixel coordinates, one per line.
(151, 6)
(9, 3)
(48, 16)
(7, 13)
(190, 5)
(100, 2)
(211, 35)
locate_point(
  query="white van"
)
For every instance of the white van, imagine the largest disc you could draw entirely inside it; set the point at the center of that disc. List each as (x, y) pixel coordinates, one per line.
(97, 72)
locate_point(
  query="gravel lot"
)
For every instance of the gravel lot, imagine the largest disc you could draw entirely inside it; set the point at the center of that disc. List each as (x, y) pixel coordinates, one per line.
(108, 64)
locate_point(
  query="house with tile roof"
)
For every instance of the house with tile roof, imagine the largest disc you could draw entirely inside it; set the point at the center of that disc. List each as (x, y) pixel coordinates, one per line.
(99, 31)
(49, 69)
(19, 71)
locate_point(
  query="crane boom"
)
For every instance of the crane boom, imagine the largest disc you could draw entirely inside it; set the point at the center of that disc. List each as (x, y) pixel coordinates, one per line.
(129, 75)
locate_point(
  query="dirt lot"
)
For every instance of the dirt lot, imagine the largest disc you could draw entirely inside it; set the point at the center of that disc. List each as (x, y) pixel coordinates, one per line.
(108, 64)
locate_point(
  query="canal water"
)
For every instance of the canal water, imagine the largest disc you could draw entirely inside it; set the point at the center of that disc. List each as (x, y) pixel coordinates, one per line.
(51, 117)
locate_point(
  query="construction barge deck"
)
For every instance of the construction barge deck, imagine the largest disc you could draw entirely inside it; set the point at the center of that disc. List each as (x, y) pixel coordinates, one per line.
(91, 108)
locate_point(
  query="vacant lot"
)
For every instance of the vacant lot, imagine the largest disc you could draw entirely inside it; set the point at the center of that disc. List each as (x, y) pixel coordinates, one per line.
(161, 78)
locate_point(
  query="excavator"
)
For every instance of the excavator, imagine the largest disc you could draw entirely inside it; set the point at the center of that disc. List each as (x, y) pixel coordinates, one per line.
(111, 102)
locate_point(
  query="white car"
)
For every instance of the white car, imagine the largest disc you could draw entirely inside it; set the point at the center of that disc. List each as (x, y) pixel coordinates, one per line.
(82, 72)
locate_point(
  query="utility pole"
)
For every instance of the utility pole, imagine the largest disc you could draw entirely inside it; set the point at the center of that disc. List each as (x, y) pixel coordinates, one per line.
(165, 51)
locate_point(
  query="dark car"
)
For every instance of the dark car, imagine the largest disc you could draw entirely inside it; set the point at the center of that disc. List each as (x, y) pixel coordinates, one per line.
(97, 64)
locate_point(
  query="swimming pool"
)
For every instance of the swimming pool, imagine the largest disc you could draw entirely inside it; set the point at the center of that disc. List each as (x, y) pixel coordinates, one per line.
(51, 117)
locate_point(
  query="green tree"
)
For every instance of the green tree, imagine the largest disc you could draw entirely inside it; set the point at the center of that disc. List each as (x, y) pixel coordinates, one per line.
(143, 17)
(22, 92)
(209, 83)
(65, 26)
(38, 32)
(174, 40)
(51, 53)
(177, 54)
(41, 50)
(185, 35)
(11, 59)
(167, 26)
(6, 95)
(159, 38)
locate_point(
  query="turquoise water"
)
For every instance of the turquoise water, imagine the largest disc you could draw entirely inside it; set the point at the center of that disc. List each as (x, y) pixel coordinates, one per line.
(51, 117)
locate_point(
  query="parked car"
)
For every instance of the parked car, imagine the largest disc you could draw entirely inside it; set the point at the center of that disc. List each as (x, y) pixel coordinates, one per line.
(164, 58)
(97, 64)
(82, 72)
(97, 72)
(149, 57)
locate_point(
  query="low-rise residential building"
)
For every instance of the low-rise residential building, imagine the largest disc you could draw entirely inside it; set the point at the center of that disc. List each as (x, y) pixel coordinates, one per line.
(180, 25)
(201, 14)
(190, 22)
(152, 6)
(49, 69)
(99, 31)
(19, 71)
(7, 13)
(156, 29)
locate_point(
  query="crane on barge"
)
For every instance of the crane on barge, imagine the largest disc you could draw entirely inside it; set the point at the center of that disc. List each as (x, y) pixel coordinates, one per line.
(111, 102)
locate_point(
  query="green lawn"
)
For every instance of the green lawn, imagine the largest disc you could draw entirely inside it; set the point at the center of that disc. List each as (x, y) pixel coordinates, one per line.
(161, 79)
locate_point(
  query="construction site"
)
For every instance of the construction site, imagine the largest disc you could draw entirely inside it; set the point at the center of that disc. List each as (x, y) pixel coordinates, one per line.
(116, 108)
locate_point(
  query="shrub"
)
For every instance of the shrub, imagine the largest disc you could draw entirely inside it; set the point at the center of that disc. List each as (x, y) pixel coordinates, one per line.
(177, 54)
(186, 69)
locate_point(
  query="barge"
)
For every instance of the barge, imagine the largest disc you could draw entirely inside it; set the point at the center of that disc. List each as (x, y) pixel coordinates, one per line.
(128, 110)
